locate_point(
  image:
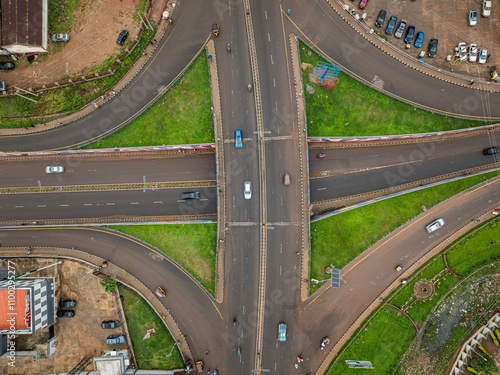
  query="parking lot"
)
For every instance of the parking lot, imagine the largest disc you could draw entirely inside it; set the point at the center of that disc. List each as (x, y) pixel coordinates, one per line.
(448, 22)
(76, 337)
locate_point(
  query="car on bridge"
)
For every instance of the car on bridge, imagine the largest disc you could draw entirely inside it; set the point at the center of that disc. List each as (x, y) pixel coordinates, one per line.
(191, 195)
(282, 332)
(491, 150)
(54, 169)
(435, 225)
(247, 189)
(238, 140)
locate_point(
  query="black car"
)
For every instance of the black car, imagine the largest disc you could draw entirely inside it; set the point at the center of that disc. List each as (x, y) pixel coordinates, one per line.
(121, 38)
(390, 25)
(433, 46)
(491, 150)
(7, 65)
(381, 18)
(110, 324)
(65, 313)
(410, 33)
(67, 303)
(191, 195)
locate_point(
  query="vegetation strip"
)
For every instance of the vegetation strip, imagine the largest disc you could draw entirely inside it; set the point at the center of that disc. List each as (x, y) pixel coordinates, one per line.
(149, 185)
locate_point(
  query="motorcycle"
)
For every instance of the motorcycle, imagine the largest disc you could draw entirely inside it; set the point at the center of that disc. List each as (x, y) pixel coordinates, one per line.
(249, 87)
(234, 322)
(239, 351)
(229, 47)
(320, 156)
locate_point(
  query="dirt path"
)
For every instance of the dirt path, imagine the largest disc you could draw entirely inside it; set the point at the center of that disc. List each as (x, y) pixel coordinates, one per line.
(92, 41)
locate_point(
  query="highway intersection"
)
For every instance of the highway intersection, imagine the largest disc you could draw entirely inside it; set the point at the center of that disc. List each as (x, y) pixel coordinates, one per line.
(265, 249)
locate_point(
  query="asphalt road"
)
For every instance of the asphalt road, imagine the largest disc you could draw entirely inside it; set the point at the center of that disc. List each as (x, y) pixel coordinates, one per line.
(106, 204)
(124, 169)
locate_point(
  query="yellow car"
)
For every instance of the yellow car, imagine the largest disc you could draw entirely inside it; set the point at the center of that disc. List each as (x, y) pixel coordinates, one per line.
(215, 29)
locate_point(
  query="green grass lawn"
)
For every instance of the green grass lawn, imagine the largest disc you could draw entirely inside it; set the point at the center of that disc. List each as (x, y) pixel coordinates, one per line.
(151, 353)
(351, 108)
(382, 342)
(193, 246)
(339, 239)
(182, 115)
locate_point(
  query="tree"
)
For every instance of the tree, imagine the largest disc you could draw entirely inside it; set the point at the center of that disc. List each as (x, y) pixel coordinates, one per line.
(487, 367)
(109, 285)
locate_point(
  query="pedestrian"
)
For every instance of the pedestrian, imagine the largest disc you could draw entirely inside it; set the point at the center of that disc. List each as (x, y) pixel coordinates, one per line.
(145, 53)
(103, 97)
(98, 301)
(288, 11)
(154, 40)
(150, 42)
(206, 353)
(471, 82)
(113, 91)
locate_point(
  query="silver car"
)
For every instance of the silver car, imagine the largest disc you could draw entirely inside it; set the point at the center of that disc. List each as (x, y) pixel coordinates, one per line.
(54, 169)
(435, 225)
(60, 38)
(400, 30)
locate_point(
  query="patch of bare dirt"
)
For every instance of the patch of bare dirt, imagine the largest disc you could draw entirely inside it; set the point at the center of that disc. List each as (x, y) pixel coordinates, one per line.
(92, 41)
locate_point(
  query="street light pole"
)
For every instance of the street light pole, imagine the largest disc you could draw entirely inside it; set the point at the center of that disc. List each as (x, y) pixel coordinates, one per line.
(169, 354)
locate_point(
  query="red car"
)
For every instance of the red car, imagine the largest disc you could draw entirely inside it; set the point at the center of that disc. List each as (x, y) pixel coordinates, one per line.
(362, 4)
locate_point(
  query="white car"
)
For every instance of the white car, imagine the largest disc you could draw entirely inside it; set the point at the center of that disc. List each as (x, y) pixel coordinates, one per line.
(248, 189)
(54, 169)
(473, 18)
(483, 55)
(473, 52)
(486, 8)
(462, 51)
(435, 225)
(60, 38)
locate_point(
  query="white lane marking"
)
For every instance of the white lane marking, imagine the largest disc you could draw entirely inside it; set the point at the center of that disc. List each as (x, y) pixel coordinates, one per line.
(134, 202)
(87, 204)
(272, 60)
(274, 82)
(322, 189)
(110, 204)
(158, 202)
(64, 205)
(204, 199)
(265, 14)
(19, 206)
(268, 37)
(42, 205)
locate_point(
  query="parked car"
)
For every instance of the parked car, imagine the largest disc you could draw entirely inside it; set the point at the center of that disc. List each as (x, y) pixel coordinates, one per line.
(54, 169)
(7, 65)
(122, 37)
(3, 86)
(491, 150)
(473, 52)
(462, 51)
(433, 45)
(435, 225)
(472, 18)
(247, 189)
(191, 195)
(419, 39)
(483, 55)
(238, 139)
(67, 303)
(381, 18)
(410, 33)
(390, 25)
(60, 38)
(486, 8)
(282, 332)
(110, 324)
(65, 313)
(400, 30)
(113, 340)
(362, 4)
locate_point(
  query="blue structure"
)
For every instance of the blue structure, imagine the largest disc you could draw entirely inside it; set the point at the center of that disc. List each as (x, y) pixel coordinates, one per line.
(326, 71)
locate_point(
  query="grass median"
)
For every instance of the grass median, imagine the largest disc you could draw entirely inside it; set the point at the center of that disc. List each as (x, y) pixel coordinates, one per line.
(193, 246)
(151, 353)
(339, 239)
(353, 109)
(182, 115)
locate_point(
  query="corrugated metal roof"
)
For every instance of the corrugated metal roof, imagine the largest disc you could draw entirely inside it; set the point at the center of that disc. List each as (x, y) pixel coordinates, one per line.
(22, 22)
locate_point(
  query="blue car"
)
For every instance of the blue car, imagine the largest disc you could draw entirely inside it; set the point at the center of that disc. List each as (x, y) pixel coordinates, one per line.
(113, 340)
(238, 142)
(419, 39)
(390, 26)
(410, 33)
